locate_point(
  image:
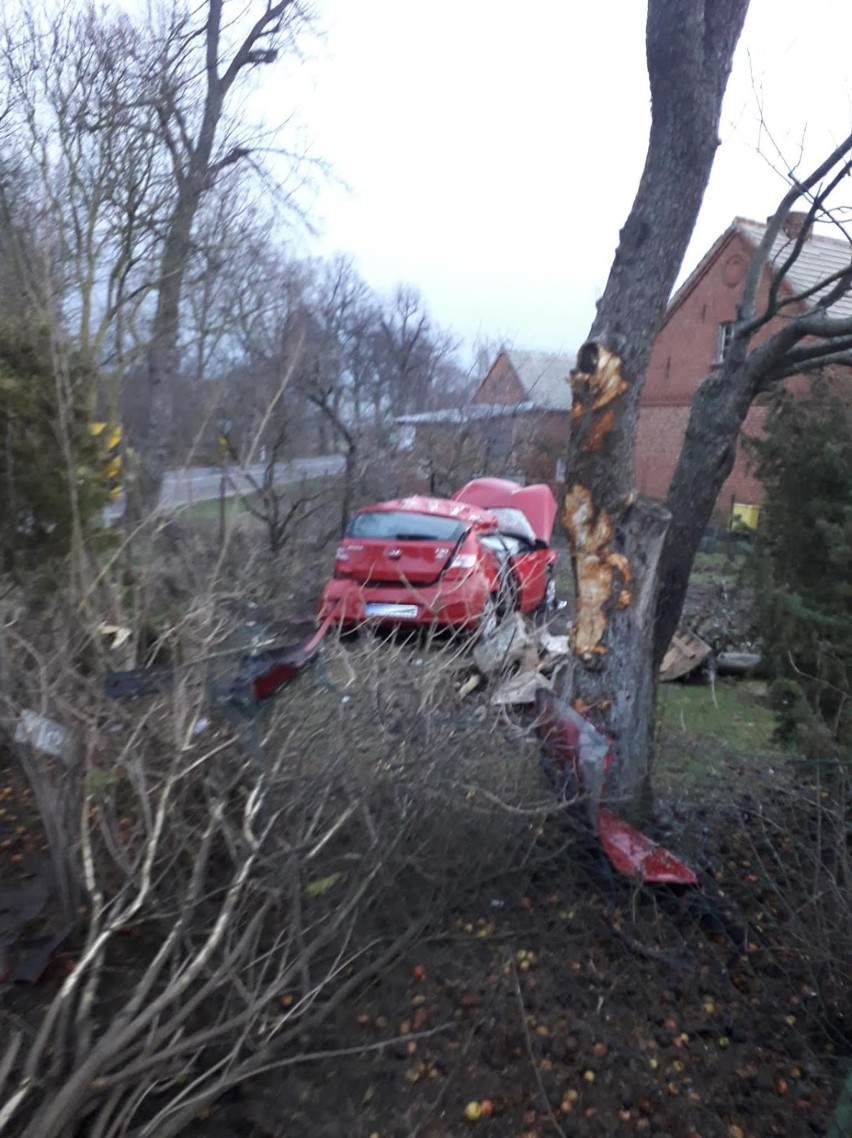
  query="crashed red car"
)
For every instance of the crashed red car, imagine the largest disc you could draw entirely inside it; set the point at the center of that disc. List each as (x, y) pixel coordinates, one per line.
(457, 562)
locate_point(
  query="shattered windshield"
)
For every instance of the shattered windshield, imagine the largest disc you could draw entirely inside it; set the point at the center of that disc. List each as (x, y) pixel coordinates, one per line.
(393, 525)
(514, 522)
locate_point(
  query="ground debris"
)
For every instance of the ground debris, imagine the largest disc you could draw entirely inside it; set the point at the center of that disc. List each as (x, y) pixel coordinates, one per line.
(686, 653)
(510, 647)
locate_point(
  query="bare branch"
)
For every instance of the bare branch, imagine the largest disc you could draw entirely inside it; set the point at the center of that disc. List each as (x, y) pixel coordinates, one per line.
(774, 228)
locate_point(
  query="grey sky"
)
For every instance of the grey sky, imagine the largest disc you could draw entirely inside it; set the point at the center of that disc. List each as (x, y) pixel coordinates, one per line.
(492, 149)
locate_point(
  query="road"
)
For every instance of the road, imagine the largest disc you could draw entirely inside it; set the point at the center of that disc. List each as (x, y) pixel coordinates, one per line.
(201, 483)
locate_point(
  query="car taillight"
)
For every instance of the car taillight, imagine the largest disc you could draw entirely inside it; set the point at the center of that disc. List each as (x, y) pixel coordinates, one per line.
(463, 561)
(460, 565)
(341, 557)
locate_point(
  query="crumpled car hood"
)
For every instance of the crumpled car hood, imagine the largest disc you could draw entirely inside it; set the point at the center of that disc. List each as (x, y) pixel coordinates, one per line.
(536, 502)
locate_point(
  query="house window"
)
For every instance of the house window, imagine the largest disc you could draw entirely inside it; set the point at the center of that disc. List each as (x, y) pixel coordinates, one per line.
(723, 340)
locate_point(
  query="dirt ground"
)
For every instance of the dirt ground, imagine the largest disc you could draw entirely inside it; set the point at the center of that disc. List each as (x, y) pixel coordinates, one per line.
(569, 1002)
(553, 1014)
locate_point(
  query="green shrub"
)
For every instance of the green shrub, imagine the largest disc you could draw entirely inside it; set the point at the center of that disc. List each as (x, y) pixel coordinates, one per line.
(50, 476)
(803, 567)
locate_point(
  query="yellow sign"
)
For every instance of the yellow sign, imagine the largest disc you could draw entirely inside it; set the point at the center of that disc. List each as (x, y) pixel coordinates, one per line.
(744, 516)
(109, 438)
(111, 435)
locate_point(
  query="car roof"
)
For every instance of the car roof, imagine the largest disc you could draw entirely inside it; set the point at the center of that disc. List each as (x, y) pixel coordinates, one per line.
(440, 507)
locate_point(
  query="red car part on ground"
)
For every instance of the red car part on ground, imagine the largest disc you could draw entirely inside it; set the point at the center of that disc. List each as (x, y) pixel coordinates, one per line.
(584, 753)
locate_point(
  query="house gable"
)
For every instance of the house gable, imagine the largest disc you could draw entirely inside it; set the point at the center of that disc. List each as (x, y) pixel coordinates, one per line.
(501, 386)
(687, 347)
(519, 376)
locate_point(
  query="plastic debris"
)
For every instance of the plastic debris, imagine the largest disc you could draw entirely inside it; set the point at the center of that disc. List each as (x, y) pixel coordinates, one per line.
(44, 735)
(686, 653)
(519, 689)
(469, 685)
(509, 646)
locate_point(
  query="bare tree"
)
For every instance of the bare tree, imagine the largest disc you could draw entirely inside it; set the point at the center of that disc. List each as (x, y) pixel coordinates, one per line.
(193, 118)
(414, 354)
(780, 331)
(633, 556)
(84, 142)
(616, 537)
(127, 126)
(279, 507)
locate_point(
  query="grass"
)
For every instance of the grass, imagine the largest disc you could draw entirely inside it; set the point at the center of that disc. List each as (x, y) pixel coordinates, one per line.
(712, 566)
(209, 511)
(736, 715)
(707, 734)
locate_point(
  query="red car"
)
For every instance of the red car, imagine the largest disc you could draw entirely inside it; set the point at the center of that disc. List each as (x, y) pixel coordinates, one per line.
(457, 562)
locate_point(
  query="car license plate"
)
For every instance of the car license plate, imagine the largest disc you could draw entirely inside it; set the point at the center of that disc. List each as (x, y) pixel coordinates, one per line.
(396, 612)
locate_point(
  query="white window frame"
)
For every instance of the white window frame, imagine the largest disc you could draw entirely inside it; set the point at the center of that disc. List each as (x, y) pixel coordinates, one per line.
(724, 338)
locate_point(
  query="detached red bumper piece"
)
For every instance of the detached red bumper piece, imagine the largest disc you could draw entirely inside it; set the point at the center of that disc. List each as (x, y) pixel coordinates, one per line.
(634, 854)
(278, 667)
(583, 754)
(265, 674)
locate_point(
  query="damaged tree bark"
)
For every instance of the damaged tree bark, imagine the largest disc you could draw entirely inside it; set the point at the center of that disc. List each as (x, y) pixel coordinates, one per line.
(616, 536)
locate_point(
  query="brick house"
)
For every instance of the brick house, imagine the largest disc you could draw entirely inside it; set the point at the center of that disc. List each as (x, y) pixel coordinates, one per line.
(694, 334)
(516, 425)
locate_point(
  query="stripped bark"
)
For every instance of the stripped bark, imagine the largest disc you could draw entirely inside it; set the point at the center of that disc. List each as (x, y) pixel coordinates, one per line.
(633, 559)
(615, 536)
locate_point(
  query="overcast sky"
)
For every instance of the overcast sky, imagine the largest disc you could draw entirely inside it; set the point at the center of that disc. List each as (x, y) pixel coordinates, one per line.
(491, 150)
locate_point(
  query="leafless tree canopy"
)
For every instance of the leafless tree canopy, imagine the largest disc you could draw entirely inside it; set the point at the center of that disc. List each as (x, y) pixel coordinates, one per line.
(805, 338)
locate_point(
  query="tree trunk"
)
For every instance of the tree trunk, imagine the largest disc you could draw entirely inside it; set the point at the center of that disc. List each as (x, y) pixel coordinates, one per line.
(197, 170)
(163, 351)
(806, 339)
(616, 537)
(706, 459)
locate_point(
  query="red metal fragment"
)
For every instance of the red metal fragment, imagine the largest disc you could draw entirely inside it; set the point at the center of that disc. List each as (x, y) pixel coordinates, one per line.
(286, 663)
(579, 748)
(636, 855)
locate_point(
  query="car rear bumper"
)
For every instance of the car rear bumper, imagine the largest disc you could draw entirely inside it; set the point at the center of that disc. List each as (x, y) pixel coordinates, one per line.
(457, 604)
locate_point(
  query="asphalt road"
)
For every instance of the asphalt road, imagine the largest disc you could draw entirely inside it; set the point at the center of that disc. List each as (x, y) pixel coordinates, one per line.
(201, 483)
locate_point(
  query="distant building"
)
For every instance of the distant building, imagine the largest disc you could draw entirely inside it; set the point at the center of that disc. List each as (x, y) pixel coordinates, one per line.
(695, 332)
(516, 425)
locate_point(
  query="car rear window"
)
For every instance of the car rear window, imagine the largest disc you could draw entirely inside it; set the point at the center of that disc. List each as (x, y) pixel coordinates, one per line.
(392, 525)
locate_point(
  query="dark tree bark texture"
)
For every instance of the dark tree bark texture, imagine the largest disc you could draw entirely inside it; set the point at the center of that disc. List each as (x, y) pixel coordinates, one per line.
(616, 537)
